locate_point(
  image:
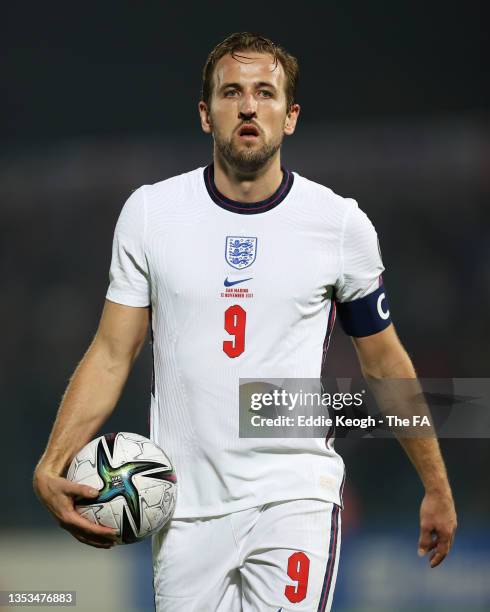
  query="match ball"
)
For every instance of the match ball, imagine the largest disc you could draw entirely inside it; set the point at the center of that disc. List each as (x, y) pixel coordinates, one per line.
(136, 483)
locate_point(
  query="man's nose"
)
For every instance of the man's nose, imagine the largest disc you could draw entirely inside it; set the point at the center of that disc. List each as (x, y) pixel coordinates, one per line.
(248, 107)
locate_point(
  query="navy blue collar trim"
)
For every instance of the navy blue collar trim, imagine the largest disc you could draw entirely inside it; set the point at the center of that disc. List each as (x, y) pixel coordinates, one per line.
(245, 208)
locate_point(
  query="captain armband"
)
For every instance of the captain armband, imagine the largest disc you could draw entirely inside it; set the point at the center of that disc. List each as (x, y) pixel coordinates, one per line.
(365, 316)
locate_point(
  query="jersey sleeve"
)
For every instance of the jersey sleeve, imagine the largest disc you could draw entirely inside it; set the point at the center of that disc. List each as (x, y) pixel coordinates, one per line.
(359, 292)
(129, 275)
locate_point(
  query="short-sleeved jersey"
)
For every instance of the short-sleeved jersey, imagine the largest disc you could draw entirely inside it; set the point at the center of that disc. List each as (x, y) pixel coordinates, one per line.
(239, 291)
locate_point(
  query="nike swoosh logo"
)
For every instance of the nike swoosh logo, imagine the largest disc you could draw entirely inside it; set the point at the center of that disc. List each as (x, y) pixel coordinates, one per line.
(231, 283)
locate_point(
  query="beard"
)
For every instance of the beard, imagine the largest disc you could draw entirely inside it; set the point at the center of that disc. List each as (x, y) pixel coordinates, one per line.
(246, 160)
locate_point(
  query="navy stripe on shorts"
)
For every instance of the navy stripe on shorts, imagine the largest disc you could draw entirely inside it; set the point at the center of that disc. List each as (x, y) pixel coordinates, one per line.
(332, 554)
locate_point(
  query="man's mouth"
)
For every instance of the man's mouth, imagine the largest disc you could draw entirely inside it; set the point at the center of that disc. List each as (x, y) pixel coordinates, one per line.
(248, 132)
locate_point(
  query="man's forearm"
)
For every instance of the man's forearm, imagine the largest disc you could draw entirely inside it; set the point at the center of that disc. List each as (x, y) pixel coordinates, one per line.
(88, 401)
(426, 457)
(423, 452)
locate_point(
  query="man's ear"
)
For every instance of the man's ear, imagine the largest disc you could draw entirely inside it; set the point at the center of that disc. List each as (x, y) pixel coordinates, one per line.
(205, 115)
(291, 119)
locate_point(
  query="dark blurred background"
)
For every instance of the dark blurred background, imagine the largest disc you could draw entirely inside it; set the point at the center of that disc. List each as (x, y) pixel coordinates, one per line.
(99, 98)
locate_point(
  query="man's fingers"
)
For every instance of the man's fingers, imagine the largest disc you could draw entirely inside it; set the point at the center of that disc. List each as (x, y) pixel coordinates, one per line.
(60, 496)
(92, 540)
(433, 542)
(94, 543)
(74, 522)
(90, 528)
(442, 549)
(438, 543)
(437, 557)
(426, 541)
(438, 523)
(76, 489)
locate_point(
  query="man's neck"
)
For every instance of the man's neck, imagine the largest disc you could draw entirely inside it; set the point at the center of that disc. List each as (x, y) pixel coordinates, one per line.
(247, 188)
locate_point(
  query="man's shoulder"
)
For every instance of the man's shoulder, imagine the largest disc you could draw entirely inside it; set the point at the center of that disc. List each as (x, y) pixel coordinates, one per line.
(323, 196)
(174, 185)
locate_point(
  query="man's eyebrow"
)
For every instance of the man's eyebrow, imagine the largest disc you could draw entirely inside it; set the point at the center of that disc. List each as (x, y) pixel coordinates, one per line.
(234, 85)
(238, 86)
(265, 84)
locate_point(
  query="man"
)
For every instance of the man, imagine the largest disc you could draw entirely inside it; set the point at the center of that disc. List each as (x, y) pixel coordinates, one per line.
(234, 266)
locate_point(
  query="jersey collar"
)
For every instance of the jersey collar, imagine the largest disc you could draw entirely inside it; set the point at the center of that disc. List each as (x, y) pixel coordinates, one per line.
(248, 208)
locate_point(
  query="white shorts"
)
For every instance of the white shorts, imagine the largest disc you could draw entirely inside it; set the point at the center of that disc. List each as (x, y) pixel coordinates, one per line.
(282, 556)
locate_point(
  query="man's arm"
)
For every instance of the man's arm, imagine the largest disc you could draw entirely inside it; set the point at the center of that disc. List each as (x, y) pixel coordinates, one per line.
(89, 400)
(383, 356)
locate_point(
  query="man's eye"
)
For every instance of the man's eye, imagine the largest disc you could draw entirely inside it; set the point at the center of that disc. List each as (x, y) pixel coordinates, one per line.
(265, 93)
(230, 93)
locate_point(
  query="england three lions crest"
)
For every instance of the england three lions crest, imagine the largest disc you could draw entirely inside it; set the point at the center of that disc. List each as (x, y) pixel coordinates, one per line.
(240, 251)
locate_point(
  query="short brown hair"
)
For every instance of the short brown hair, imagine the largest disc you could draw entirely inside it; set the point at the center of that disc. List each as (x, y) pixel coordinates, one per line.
(248, 41)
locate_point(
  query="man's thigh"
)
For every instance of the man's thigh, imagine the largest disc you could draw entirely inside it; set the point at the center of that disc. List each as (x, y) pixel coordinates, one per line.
(195, 567)
(290, 558)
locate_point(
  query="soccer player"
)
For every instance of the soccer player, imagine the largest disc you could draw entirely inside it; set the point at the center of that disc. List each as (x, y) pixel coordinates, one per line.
(236, 268)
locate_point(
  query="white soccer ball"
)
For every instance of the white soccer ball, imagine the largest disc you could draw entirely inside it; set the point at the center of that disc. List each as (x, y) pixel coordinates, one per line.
(136, 483)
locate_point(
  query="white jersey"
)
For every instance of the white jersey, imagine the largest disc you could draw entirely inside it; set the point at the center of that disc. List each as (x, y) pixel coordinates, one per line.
(239, 291)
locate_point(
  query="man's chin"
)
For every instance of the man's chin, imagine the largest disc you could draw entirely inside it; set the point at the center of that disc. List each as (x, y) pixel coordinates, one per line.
(248, 158)
(248, 164)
